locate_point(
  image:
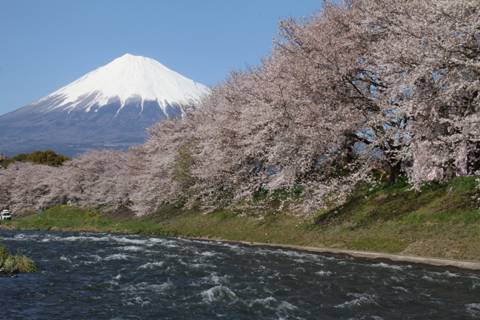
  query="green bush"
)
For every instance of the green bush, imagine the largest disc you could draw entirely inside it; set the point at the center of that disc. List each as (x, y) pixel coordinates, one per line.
(15, 263)
(47, 157)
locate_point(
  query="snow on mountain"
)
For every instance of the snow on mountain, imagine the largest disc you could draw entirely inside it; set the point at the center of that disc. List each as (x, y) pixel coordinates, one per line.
(128, 79)
(109, 107)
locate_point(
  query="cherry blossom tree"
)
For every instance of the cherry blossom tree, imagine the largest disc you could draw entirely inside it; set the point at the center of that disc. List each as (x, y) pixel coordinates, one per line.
(340, 89)
(426, 54)
(23, 186)
(359, 84)
(94, 178)
(161, 171)
(98, 177)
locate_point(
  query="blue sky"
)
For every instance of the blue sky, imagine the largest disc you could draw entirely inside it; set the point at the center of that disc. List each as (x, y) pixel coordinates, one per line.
(45, 45)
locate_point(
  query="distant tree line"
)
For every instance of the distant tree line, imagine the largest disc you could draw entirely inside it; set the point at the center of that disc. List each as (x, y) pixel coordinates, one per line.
(360, 84)
(47, 157)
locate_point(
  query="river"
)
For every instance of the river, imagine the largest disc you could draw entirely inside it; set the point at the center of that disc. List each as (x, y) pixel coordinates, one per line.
(113, 276)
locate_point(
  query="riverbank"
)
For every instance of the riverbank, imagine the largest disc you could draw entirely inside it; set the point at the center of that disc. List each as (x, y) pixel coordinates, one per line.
(442, 222)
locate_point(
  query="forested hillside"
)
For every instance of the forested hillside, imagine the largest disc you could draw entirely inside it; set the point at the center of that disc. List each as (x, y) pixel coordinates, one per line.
(359, 91)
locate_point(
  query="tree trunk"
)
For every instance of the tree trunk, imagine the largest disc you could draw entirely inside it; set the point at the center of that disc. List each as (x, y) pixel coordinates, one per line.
(449, 173)
(395, 171)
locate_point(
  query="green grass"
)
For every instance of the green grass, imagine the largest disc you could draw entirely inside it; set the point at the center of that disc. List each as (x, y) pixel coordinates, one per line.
(15, 263)
(75, 218)
(454, 202)
(441, 220)
(379, 244)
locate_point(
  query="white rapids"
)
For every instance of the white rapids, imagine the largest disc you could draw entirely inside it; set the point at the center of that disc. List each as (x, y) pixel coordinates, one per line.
(108, 276)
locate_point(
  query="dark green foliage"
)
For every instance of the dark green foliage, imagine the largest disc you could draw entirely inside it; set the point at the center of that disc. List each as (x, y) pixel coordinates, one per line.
(47, 157)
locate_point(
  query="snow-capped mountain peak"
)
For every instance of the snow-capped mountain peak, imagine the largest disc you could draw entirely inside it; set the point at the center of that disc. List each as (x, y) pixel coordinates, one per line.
(124, 80)
(109, 107)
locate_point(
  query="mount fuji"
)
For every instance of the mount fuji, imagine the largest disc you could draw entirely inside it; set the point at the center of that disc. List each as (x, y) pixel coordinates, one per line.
(109, 107)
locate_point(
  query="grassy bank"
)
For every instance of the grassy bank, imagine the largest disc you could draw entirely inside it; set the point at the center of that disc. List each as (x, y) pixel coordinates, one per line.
(10, 263)
(442, 220)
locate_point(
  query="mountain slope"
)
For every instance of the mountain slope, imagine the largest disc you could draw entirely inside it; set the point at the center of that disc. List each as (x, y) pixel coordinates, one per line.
(107, 108)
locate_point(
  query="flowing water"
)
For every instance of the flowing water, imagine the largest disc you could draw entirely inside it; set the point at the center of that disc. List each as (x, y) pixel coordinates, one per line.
(111, 276)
